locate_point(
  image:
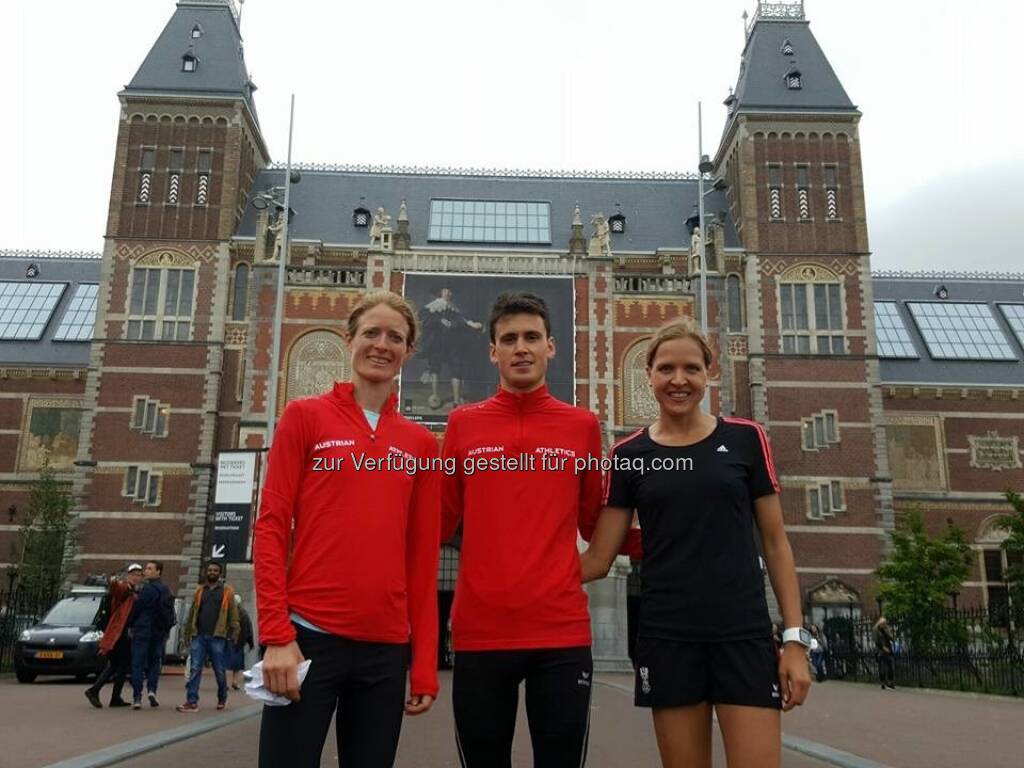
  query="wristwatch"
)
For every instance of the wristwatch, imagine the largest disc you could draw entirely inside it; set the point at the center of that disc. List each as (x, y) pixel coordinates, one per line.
(797, 635)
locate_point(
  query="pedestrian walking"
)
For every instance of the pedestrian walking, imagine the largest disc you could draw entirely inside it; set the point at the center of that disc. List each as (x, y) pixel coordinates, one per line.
(236, 651)
(150, 620)
(212, 624)
(885, 653)
(115, 643)
(817, 654)
(702, 486)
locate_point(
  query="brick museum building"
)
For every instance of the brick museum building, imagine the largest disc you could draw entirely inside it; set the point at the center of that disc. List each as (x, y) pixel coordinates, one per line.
(130, 371)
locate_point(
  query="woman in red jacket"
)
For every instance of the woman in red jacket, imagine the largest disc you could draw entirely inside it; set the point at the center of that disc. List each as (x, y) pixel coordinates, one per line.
(702, 486)
(352, 490)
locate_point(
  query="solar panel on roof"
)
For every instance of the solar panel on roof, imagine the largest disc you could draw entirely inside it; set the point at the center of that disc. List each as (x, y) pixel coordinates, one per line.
(955, 331)
(26, 308)
(78, 320)
(1014, 314)
(892, 335)
(490, 221)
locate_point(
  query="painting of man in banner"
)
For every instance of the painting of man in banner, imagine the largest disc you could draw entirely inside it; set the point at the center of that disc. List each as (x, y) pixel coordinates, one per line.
(452, 364)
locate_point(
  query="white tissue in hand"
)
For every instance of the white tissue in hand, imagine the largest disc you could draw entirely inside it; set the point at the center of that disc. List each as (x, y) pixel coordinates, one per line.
(255, 689)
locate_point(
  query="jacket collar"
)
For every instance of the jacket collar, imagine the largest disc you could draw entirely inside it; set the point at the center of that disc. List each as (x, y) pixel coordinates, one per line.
(536, 400)
(344, 392)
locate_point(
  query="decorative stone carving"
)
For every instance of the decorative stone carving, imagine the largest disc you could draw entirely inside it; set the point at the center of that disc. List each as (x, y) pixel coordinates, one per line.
(601, 240)
(638, 403)
(381, 224)
(809, 273)
(833, 592)
(166, 258)
(315, 362)
(994, 453)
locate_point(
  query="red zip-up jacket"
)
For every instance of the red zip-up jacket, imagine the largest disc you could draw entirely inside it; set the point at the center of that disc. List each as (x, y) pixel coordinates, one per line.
(365, 540)
(519, 573)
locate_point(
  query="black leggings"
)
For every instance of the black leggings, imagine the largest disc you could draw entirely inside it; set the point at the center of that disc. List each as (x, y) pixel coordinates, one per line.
(118, 669)
(485, 696)
(886, 669)
(365, 682)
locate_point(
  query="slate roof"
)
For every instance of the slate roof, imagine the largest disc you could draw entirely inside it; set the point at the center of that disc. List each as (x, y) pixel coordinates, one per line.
(761, 84)
(71, 269)
(656, 209)
(962, 288)
(221, 70)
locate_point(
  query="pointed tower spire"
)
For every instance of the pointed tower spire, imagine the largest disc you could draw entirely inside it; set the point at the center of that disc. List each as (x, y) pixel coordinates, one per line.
(197, 56)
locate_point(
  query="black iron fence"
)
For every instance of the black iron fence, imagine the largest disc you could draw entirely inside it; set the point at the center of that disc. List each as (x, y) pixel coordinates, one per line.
(964, 650)
(19, 610)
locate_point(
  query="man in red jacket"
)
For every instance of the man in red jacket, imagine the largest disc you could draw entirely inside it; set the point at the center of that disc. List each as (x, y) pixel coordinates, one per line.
(528, 477)
(115, 642)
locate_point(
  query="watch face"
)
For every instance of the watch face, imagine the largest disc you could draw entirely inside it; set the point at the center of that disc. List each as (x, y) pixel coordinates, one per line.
(805, 636)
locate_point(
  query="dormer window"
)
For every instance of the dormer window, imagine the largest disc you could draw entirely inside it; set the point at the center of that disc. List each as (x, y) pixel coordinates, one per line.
(197, 32)
(794, 80)
(360, 217)
(617, 223)
(787, 49)
(189, 63)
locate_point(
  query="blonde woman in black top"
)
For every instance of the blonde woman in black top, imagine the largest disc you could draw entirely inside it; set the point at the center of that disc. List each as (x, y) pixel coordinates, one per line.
(702, 485)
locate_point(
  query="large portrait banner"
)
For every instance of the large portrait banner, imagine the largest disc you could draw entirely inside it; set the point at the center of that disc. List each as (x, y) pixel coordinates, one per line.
(452, 363)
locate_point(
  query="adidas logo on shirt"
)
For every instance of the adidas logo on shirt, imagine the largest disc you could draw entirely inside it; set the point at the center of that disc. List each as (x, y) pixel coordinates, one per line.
(722, 449)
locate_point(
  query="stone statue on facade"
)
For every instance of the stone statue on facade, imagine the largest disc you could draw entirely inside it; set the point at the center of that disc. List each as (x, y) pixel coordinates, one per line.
(381, 224)
(601, 240)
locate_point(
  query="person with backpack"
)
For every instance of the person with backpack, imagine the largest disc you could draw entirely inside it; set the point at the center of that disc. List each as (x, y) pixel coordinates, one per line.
(150, 621)
(212, 621)
(115, 644)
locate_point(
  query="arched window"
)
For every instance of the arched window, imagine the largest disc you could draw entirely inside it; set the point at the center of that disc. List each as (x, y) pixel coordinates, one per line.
(240, 299)
(734, 300)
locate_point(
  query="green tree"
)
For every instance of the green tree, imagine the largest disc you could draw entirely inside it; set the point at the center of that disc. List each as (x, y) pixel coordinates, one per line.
(46, 536)
(918, 578)
(1013, 545)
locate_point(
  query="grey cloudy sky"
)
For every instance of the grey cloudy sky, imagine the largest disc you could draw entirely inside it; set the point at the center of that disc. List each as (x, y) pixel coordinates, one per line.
(561, 84)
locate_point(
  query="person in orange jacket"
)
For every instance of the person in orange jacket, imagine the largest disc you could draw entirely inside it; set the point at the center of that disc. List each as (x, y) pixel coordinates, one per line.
(115, 643)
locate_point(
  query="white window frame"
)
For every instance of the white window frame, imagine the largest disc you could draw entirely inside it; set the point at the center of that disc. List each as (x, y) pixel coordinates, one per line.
(825, 500)
(154, 411)
(820, 438)
(159, 318)
(812, 333)
(144, 485)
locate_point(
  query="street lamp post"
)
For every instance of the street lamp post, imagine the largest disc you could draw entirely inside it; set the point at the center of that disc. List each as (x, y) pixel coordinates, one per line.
(704, 166)
(282, 265)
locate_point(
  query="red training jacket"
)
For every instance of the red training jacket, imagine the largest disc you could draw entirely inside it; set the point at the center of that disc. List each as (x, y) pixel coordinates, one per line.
(519, 571)
(366, 538)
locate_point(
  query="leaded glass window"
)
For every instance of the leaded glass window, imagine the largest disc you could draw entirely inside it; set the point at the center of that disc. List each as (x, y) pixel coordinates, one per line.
(812, 318)
(160, 306)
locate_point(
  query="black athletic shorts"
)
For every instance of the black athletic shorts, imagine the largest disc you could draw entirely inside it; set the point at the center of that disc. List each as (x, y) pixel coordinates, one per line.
(682, 674)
